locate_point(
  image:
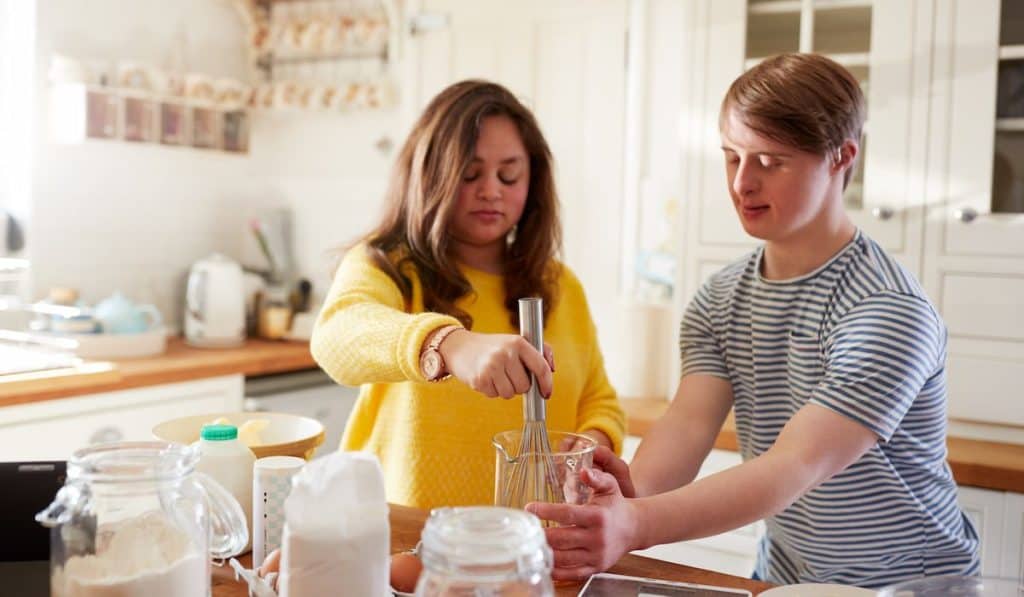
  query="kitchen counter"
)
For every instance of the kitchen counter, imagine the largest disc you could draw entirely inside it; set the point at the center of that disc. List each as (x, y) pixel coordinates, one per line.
(179, 363)
(990, 465)
(407, 523)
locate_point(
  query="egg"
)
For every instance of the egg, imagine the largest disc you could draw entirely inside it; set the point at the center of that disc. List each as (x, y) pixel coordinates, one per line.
(405, 571)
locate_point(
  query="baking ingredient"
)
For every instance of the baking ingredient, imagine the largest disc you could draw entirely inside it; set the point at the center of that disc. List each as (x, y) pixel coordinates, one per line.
(405, 571)
(336, 531)
(229, 461)
(146, 555)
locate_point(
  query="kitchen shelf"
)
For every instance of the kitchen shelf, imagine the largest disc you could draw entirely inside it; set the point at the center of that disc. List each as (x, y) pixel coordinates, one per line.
(795, 6)
(81, 112)
(1010, 125)
(1011, 52)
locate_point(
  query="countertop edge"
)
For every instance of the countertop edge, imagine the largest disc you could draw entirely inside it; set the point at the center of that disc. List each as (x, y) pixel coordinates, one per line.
(975, 463)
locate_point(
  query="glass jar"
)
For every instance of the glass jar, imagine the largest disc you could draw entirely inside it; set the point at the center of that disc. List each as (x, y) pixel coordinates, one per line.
(484, 551)
(522, 476)
(962, 586)
(133, 519)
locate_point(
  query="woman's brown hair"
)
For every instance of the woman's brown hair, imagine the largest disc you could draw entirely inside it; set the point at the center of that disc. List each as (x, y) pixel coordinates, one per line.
(806, 101)
(421, 197)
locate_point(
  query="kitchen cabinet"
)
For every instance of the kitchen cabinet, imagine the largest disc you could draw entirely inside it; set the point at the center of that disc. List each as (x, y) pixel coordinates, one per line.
(974, 249)
(999, 518)
(940, 180)
(54, 429)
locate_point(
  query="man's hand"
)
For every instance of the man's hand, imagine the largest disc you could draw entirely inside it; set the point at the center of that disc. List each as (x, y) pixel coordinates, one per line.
(591, 537)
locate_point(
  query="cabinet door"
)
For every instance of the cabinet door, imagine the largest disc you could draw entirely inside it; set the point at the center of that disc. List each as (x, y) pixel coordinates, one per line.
(983, 211)
(974, 250)
(985, 509)
(54, 429)
(1013, 538)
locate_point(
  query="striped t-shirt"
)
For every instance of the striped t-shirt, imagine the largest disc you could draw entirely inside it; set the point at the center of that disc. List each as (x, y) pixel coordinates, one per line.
(857, 336)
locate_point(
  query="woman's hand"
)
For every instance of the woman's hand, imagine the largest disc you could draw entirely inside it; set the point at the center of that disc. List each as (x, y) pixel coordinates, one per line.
(497, 364)
(592, 537)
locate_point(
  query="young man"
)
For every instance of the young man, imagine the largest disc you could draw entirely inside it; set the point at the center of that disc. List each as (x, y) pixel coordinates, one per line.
(829, 352)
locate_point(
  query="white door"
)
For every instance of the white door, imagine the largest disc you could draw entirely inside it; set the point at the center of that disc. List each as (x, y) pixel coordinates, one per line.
(566, 60)
(974, 257)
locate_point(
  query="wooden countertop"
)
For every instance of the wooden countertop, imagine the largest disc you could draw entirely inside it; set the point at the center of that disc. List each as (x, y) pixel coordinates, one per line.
(180, 363)
(990, 465)
(407, 523)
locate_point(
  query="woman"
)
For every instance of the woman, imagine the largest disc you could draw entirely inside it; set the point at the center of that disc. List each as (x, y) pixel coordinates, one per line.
(423, 313)
(831, 355)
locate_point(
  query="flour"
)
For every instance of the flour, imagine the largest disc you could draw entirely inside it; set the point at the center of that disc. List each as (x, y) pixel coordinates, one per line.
(143, 557)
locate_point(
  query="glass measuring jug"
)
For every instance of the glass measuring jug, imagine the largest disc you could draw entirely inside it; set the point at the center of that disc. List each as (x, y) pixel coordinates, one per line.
(514, 478)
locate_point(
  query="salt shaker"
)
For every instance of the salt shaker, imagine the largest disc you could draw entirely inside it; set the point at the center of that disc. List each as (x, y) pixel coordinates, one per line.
(271, 484)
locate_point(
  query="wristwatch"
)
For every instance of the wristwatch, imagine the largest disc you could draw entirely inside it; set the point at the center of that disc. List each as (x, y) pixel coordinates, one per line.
(431, 361)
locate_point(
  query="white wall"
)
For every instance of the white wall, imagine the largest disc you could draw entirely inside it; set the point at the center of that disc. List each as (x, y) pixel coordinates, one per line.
(112, 216)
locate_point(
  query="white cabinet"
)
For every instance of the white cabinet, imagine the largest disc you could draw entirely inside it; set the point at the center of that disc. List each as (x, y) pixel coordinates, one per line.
(985, 509)
(54, 429)
(733, 553)
(999, 518)
(974, 249)
(1012, 564)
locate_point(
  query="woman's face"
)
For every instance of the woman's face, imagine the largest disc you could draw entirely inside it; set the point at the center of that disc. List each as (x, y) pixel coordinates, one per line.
(494, 186)
(777, 190)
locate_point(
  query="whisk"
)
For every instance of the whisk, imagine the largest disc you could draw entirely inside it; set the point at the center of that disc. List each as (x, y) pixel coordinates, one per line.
(534, 477)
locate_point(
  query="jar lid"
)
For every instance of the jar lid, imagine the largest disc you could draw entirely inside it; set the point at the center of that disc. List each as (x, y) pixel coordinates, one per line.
(218, 432)
(485, 542)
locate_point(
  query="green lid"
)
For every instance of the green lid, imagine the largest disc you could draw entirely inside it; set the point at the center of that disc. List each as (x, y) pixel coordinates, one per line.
(219, 433)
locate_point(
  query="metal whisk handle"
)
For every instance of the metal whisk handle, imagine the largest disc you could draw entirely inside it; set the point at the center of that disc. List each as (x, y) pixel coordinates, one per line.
(531, 327)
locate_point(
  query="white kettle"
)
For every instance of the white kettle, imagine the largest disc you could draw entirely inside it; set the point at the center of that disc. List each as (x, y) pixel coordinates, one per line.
(215, 303)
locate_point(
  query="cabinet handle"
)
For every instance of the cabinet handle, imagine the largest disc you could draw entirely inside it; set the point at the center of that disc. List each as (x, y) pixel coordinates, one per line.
(965, 214)
(882, 213)
(106, 434)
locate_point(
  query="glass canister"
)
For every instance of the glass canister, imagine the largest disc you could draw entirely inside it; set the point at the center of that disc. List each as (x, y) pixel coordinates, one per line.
(960, 586)
(133, 519)
(517, 471)
(484, 551)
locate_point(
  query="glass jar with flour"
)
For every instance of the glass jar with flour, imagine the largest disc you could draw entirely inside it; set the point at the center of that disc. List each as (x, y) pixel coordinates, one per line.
(134, 519)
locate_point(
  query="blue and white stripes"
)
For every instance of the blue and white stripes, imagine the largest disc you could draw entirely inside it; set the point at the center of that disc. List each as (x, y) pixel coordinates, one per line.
(857, 336)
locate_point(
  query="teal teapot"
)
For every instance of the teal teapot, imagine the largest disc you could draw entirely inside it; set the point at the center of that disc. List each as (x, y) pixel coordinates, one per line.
(119, 315)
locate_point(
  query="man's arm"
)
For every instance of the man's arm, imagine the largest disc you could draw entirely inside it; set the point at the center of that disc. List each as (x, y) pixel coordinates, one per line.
(672, 452)
(816, 444)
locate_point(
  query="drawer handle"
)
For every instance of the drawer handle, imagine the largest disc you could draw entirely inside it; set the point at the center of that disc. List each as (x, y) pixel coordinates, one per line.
(106, 434)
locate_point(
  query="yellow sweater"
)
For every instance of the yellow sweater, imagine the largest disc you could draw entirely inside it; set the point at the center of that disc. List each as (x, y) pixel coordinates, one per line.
(434, 438)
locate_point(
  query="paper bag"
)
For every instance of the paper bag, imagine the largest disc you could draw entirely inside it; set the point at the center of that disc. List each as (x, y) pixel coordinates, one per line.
(336, 532)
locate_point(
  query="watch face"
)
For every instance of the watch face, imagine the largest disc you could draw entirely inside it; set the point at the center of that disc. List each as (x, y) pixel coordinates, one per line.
(430, 363)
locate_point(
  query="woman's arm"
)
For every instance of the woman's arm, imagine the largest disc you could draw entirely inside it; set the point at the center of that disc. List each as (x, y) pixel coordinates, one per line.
(363, 333)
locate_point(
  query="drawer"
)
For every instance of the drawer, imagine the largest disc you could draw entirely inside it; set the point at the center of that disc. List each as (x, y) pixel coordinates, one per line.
(55, 429)
(983, 306)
